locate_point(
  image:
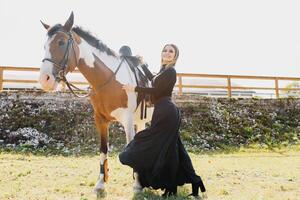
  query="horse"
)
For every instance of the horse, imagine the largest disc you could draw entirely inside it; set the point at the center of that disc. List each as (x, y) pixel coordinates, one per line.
(69, 47)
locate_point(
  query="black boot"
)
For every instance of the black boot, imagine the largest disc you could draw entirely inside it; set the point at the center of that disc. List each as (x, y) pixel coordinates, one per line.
(195, 188)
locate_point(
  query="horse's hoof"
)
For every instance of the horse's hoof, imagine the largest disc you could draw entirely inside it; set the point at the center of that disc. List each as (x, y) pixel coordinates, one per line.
(101, 193)
(194, 198)
(204, 196)
(137, 189)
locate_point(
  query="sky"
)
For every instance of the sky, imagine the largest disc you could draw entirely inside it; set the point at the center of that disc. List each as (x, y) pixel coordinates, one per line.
(239, 37)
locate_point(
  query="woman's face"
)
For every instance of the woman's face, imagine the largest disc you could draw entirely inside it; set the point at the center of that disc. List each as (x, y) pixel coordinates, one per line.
(168, 54)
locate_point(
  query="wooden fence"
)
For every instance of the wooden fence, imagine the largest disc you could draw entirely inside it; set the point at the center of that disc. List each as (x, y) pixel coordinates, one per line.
(229, 87)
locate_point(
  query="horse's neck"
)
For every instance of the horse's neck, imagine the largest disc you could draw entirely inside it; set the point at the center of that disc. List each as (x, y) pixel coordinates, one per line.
(90, 54)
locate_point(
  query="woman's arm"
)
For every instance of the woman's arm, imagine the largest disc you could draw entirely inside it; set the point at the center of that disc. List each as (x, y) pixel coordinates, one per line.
(167, 81)
(147, 90)
(147, 72)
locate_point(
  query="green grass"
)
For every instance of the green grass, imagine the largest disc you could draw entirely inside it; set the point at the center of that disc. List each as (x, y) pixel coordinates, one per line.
(252, 173)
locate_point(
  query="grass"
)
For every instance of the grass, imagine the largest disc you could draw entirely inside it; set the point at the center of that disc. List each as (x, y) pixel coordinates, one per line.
(253, 173)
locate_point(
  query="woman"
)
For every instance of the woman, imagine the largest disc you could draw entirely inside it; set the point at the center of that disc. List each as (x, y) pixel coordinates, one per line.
(157, 153)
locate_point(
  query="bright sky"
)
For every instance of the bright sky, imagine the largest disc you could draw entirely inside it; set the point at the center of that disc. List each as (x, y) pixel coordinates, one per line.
(249, 37)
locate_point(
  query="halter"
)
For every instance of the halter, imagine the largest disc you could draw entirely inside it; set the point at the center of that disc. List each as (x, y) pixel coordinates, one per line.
(62, 65)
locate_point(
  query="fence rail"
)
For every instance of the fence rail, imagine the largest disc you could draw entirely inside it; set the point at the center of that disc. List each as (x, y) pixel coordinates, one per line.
(228, 78)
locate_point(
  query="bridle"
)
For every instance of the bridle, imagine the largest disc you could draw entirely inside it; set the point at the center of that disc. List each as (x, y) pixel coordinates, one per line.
(62, 65)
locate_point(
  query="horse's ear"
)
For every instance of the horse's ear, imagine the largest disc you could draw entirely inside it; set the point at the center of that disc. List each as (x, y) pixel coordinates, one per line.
(45, 25)
(69, 23)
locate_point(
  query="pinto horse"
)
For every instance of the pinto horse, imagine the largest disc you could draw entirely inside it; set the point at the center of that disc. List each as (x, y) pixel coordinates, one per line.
(68, 47)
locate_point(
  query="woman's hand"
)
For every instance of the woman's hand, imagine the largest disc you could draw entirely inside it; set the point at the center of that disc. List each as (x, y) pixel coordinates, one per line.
(141, 59)
(128, 88)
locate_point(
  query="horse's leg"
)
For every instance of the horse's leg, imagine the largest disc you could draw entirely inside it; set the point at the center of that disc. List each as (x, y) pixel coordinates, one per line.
(102, 127)
(129, 130)
(140, 126)
(128, 127)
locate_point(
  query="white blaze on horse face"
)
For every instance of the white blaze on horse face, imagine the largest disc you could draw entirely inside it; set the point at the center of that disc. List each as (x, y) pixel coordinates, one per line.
(46, 78)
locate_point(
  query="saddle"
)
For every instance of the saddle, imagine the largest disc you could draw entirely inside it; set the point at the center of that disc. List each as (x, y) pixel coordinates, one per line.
(141, 80)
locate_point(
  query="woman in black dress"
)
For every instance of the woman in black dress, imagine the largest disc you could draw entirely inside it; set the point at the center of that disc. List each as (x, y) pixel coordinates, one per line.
(157, 153)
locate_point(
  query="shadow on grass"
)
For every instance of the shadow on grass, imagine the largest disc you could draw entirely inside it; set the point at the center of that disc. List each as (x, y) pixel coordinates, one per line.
(156, 195)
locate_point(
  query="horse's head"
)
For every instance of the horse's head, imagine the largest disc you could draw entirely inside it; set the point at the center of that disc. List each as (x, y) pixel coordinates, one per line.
(61, 54)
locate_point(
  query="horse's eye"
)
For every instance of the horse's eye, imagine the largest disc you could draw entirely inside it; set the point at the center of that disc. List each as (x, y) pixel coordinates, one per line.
(61, 43)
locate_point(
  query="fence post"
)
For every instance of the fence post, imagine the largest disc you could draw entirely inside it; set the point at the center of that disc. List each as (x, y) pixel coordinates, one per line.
(180, 84)
(229, 87)
(1, 79)
(277, 88)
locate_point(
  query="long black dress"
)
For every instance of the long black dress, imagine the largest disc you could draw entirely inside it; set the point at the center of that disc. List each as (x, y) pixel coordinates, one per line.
(157, 153)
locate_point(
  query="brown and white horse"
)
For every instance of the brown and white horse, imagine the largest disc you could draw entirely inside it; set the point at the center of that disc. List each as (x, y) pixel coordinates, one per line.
(68, 47)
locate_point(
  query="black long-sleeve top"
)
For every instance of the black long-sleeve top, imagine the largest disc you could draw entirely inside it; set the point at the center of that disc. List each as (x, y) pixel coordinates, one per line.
(162, 84)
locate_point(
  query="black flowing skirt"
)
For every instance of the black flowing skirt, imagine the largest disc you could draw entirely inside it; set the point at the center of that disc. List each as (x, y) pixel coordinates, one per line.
(157, 153)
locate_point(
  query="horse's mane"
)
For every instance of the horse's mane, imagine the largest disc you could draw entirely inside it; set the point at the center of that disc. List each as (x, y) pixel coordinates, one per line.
(87, 36)
(93, 41)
